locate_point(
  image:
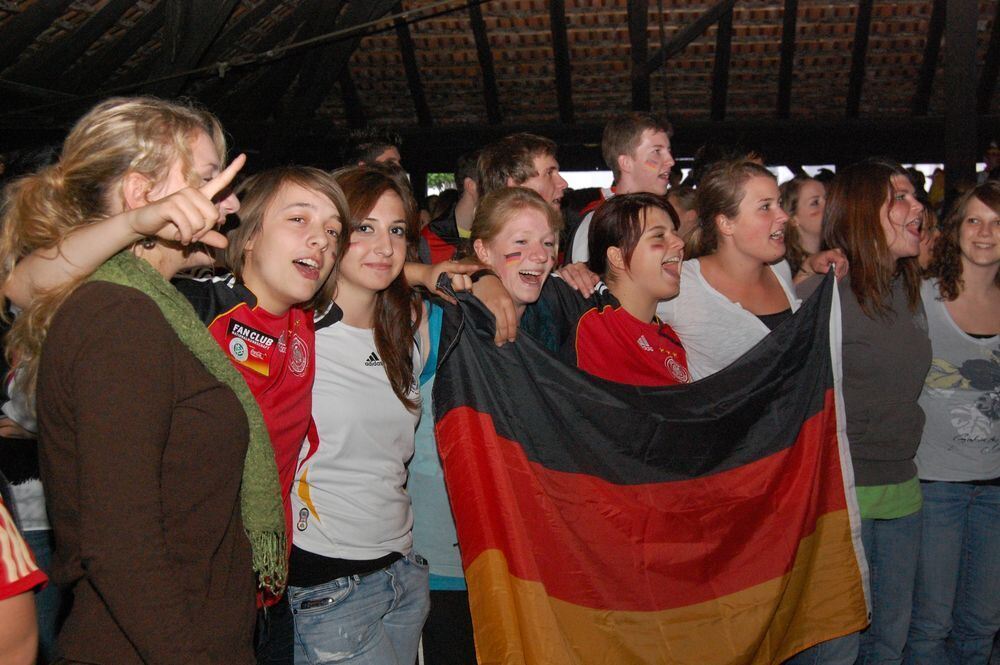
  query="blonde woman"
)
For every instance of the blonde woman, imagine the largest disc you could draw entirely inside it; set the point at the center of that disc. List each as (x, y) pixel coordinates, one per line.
(154, 455)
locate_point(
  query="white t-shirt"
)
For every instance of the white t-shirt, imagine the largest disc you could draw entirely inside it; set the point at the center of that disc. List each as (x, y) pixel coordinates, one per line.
(714, 330)
(579, 252)
(349, 498)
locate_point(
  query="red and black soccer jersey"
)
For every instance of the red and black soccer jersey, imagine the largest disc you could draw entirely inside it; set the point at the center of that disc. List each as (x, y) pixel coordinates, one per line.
(600, 337)
(614, 345)
(274, 354)
(439, 240)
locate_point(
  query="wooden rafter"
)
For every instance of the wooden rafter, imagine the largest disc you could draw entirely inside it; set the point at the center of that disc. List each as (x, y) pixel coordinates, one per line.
(218, 92)
(561, 60)
(638, 38)
(238, 30)
(991, 66)
(720, 70)
(787, 66)
(89, 73)
(277, 78)
(327, 61)
(485, 54)
(688, 34)
(353, 107)
(22, 29)
(960, 122)
(48, 63)
(925, 80)
(858, 56)
(409, 53)
(190, 29)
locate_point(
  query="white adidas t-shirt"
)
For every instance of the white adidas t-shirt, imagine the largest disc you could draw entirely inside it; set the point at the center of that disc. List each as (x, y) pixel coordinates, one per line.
(349, 499)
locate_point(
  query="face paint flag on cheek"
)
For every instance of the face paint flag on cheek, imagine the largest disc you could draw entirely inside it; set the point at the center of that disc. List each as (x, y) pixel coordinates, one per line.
(513, 257)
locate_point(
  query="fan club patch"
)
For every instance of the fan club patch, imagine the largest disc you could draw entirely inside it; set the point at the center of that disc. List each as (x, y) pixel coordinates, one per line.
(250, 347)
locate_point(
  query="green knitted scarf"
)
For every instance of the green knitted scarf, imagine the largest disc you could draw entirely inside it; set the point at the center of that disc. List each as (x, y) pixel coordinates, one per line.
(260, 493)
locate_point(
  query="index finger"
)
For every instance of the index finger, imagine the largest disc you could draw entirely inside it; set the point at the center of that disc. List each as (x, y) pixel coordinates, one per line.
(458, 268)
(221, 181)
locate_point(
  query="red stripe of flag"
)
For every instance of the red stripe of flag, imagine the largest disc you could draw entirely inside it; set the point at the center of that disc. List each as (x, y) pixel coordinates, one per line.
(638, 547)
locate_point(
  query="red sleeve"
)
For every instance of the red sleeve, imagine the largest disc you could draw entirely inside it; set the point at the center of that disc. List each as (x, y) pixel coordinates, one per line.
(18, 571)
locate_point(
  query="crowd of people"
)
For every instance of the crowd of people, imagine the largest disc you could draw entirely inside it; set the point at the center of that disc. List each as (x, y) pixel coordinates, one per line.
(235, 441)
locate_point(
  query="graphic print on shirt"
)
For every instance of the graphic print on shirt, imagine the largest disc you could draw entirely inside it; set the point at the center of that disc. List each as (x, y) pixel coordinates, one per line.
(249, 347)
(974, 421)
(678, 370)
(299, 357)
(302, 482)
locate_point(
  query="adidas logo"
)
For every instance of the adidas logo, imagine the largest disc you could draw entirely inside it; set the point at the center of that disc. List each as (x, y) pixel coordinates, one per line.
(373, 360)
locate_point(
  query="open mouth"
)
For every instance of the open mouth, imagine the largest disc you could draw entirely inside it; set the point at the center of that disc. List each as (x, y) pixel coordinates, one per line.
(778, 236)
(531, 277)
(308, 268)
(672, 265)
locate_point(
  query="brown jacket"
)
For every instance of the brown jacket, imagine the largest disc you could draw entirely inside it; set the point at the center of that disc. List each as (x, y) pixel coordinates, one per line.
(141, 454)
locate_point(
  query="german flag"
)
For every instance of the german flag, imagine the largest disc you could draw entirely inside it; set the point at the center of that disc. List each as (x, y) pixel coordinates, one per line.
(708, 523)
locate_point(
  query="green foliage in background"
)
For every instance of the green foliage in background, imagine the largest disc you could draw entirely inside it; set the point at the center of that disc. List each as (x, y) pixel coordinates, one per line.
(439, 181)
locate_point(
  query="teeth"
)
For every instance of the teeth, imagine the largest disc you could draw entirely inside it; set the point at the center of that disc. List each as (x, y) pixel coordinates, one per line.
(307, 262)
(672, 259)
(777, 234)
(535, 273)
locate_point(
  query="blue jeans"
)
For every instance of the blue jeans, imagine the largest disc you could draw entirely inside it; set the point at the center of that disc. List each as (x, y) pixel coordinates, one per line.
(956, 608)
(372, 619)
(892, 548)
(838, 651)
(48, 602)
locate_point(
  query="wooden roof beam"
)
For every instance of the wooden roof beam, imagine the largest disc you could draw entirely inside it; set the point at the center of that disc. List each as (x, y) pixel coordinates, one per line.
(720, 70)
(409, 53)
(354, 109)
(485, 53)
(48, 63)
(858, 56)
(788, 26)
(276, 80)
(928, 68)
(21, 30)
(638, 37)
(324, 64)
(688, 34)
(190, 29)
(90, 72)
(238, 30)
(991, 66)
(560, 52)
(960, 121)
(220, 91)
